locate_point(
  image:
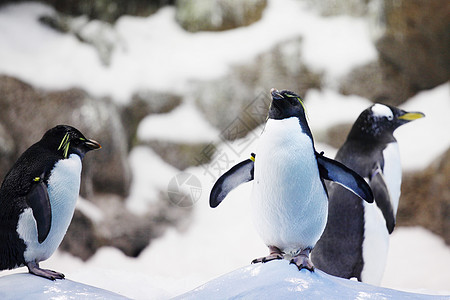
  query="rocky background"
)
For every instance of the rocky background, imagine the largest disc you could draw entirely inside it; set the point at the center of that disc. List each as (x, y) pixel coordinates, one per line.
(413, 56)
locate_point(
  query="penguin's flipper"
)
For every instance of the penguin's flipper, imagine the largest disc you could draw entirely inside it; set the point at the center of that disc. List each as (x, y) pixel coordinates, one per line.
(382, 197)
(240, 173)
(39, 202)
(332, 170)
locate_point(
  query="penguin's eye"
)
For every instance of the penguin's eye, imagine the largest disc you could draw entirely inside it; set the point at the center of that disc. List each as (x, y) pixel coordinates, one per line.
(293, 101)
(390, 117)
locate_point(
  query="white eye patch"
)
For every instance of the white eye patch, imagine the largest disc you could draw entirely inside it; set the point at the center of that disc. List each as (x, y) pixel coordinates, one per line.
(380, 110)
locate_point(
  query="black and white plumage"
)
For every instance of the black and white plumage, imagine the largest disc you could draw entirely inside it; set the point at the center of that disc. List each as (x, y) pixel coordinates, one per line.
(38, 197)
(289, 196)
(356, 239)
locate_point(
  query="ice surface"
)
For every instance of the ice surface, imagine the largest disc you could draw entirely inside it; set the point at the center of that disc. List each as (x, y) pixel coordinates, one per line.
(280, 280)
(27, 286)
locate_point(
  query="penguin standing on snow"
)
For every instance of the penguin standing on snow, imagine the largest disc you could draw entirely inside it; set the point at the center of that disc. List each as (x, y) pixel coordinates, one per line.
(37, 199)
(289, 196)
(356, 238)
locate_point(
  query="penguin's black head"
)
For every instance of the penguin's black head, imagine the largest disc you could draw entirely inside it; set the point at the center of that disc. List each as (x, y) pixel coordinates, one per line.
(66, 140)
(380, 121)
(286, 104)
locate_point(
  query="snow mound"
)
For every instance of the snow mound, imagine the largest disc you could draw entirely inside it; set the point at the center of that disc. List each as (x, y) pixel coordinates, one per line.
(280, 280)
(27, 286)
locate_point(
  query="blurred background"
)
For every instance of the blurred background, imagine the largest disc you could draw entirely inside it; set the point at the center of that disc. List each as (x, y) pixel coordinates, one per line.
(176, 93)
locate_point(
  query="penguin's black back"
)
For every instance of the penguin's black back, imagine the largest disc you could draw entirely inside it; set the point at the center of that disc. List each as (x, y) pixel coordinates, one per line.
(339, 250)
(335, 253)
(36, 161)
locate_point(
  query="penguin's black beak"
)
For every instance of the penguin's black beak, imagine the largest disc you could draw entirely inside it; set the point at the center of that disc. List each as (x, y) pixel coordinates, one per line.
(276, 94)
(410, 116)
(92, 145)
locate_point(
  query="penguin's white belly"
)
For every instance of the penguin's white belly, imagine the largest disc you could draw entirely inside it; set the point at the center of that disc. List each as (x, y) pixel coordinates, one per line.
(375, 244)
(63, 189)
(376, 236)
(289, 201)
(392, 173)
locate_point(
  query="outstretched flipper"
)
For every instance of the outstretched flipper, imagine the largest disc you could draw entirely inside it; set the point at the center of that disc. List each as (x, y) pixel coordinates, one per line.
(382, 197)
(240, 173)
(39, 202)
(332, 170)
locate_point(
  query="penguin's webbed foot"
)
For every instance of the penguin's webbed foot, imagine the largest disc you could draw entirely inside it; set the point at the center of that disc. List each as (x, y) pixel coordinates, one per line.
(33, 268)
(267, 258)
(302, 260)
(275, 253)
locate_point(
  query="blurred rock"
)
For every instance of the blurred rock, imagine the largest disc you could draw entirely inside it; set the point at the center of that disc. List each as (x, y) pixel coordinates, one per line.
(181, 156)
(379, 82)
(27, 113)
(82, 239)
(99, 34)
(239, 102)
(218, 15)
(355, 8)
(416, 40)
(335, 136)
(104, 10)
(7, 149)
(142, 104)
(120, 228)
(425, 198)
(412, 41)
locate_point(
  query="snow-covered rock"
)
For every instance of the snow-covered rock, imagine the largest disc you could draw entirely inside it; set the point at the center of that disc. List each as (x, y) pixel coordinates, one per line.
(280, 280)
(27, 286)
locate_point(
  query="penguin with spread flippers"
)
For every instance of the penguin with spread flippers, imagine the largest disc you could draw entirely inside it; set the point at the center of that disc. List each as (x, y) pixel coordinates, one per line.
(356, 238)
(38, 197)
(289, 198)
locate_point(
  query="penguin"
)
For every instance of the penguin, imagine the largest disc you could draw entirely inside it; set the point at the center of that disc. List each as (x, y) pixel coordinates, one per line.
(289, 197)
(356, 238)
(38, 197)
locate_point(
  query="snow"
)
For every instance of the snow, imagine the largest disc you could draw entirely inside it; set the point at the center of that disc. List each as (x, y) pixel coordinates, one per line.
(281, 280)
(430, 253)
(150, 176)
(336, 45)
(147, 57)
(422, 140)
(27, 286)
(327, 108)
(272, 280)
(90, 210)
(184, 124)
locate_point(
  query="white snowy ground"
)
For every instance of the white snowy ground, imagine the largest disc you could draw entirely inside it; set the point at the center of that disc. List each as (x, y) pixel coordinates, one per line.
(280, 280)
(27, 286)
(219, 240)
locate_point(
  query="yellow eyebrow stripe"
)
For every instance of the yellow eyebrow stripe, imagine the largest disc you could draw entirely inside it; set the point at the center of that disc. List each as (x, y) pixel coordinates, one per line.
(63, 142)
